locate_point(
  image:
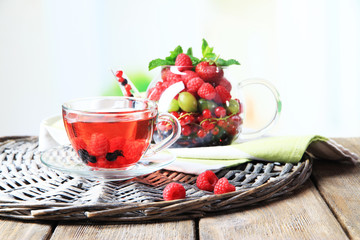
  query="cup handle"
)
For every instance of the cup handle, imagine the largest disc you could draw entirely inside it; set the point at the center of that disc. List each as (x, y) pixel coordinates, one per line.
(277, 110)
(169, 140)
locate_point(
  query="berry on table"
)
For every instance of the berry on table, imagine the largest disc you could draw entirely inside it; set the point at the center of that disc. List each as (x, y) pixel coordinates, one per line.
(207, 181)
(223, 186)
(174, 191)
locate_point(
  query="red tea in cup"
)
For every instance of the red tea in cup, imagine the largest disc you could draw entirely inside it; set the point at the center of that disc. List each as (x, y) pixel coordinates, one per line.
(113, 132)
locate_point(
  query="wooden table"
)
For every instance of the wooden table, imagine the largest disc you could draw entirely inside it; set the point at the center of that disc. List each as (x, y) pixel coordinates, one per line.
(326, 207)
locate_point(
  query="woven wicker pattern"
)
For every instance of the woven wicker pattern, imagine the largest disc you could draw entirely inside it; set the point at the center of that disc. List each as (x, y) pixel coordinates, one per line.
(31, 191)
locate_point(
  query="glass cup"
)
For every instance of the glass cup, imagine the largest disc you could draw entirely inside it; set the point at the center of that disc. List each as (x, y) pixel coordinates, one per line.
(209, 106)
(115, 132)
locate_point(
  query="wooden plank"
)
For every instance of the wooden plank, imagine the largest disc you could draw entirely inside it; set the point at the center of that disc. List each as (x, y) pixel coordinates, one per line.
(12, 229)
(168, 230)
(339, 184)
(304, 215)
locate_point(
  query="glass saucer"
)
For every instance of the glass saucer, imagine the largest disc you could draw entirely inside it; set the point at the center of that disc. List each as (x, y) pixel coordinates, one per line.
(66, 160)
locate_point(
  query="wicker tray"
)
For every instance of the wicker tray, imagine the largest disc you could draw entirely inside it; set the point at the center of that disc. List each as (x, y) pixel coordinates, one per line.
(31, 191)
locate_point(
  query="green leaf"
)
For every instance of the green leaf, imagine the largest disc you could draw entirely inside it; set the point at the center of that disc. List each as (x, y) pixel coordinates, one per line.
(222, 62)
(189, 52)
(204, 46)
(174, 54)
(194, 60)
(210, 55)
(159, 62)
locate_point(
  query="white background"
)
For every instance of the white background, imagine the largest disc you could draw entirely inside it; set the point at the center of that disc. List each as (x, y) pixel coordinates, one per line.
(52, 51)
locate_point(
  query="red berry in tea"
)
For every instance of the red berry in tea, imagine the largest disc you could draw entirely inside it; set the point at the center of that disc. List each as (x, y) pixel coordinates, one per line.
(108, 142)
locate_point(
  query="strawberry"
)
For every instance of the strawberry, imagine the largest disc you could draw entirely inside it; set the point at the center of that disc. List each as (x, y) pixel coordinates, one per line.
(99, 145)
(188, 75)
(184, 61)
(206, 91)
(222, 95)
(194, 84)
(209, 73)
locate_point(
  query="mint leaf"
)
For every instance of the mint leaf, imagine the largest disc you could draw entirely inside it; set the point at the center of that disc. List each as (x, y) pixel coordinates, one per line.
(194, 60)
(222, 62)
(159, 62)
(204, 46)
(207, 51)
(189, 52)
(173, 54)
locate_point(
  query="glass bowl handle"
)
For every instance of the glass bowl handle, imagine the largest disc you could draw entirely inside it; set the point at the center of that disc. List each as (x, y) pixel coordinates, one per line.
(169, 140)
(277, 109)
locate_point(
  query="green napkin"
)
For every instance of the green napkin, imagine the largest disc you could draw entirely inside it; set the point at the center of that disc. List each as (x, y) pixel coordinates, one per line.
(285, 149)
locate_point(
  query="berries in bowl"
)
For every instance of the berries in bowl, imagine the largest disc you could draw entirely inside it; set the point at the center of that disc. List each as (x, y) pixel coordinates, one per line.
(200, 94)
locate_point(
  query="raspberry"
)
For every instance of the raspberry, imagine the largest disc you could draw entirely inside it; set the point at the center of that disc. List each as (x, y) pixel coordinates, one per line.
(223, 186)
(133, 150)
(174, 191)
(225, 83)
(222, 95)
(209, 73)
(207, 181)
(173, 78)
(164, 73)
(206, 91)
(183, 60)
(188, 75)
(116, 143)
(78, 143)
(99, 145)
(194, 84)
(155, 93)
